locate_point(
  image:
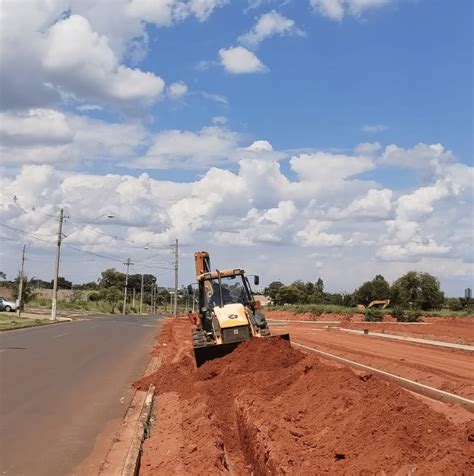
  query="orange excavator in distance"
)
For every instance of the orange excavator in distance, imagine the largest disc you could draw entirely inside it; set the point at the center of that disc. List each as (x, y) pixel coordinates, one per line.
(228, 313)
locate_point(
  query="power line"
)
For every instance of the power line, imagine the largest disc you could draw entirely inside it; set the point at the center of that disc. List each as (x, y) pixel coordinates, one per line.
(83, 224)
(116, 237)
(23, 232)
(32, 235)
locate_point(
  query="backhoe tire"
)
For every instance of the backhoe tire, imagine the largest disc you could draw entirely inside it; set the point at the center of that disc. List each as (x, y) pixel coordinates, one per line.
(199, 338)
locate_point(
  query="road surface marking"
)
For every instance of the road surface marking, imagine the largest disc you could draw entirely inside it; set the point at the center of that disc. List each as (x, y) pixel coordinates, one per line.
(60, 335)
(94, 326)
(3, 350)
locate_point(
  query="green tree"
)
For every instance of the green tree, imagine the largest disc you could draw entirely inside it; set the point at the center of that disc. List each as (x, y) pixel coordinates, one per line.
(27, 291)
(111, 278)
(63, 283)
(377, 289)
(417, 290)
(272, 289)
(3, 275)
(88, 286)
(40, 283)
(319, 286)
(135, 281)
(292, 294)
(454, 304)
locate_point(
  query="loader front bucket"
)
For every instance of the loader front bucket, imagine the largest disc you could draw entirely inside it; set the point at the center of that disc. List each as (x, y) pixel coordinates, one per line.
(282, 336)
(211, 352)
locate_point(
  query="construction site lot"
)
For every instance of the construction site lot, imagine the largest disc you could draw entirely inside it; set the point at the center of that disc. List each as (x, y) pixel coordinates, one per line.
(448, 329)
(270, 409)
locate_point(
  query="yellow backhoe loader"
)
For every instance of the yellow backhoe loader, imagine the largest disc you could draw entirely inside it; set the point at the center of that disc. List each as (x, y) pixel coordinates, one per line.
(228, 313)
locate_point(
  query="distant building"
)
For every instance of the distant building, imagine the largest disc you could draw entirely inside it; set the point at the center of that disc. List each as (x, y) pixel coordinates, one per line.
(264, 300)
(468, 293)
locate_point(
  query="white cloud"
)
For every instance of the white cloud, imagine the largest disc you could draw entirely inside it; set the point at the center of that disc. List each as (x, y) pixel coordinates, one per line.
(337, 9)
(413, 251)
(35, 127)
(422, 156)
(217, 98)
(373, 129)
(376, 205)
(367, 148)
(161, 13)
(185, 149)
(89, 107)
(268, 25)
(219, 120)
(283, 213)
(177, 90)
(167, 12)
(255, 207)
(260, 145)
(239, 60)
(313, 235)
(204, 8)
(234, 238)
(80, 62)
(49, 136)
(70, 49)
(421, 202)
(327, 168)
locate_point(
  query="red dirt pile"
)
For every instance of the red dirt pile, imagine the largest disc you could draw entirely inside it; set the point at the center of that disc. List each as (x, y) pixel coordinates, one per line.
(270, 409)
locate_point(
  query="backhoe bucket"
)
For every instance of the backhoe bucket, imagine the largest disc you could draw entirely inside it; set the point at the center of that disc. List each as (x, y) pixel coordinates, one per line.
(211, 352)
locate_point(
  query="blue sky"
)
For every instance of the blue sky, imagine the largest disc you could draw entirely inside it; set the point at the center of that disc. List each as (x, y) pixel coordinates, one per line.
(338, 131)
(405, 66)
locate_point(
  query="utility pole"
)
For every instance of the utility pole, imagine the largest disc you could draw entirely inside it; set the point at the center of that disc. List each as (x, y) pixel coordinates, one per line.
(127, 264)
(56, 268)
(176, 279)
(20, 284)
(141, 296)
(153, 300)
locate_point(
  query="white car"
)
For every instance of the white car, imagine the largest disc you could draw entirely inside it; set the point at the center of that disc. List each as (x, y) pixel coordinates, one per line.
(6, 305)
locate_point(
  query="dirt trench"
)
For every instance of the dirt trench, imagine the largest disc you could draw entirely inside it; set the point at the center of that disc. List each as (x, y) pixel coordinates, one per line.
(269, 409)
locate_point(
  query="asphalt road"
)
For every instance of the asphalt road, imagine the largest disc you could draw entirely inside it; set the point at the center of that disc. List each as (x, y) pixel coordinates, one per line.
(62, 386)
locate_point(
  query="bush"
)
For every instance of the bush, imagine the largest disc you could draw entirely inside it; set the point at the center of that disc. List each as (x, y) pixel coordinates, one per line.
(94, 297)
(454, 304)
(373, 315)
(405, 316)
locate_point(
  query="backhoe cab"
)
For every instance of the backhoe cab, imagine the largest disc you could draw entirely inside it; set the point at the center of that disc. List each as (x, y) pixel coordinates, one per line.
(228, 313)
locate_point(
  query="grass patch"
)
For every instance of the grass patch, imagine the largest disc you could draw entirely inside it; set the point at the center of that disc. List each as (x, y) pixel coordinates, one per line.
(11, 321)
(316, 309)
(449, 313)
(99, 307)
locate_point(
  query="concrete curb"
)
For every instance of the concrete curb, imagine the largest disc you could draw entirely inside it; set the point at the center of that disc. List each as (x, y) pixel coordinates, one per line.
(124, 455)
(132, 462)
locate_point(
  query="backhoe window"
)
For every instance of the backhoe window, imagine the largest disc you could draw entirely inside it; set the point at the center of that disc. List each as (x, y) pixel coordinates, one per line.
(233, 291)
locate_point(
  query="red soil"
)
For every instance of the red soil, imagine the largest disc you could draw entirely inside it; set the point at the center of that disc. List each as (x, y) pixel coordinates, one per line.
(269, 409)
(455, 329)
(446, 369)
(459, 330)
